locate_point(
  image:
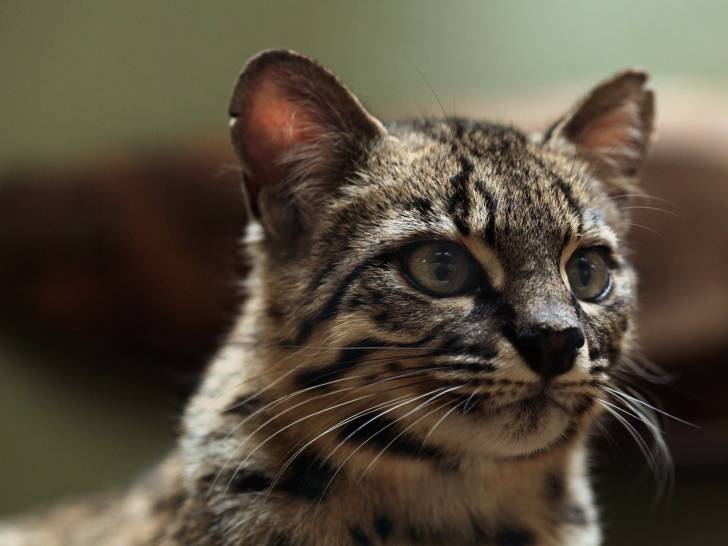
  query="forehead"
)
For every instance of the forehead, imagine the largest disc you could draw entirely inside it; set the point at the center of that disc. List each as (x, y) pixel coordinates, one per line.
(487, 181)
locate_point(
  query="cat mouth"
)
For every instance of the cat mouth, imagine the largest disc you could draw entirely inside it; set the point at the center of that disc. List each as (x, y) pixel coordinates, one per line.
(532, 404)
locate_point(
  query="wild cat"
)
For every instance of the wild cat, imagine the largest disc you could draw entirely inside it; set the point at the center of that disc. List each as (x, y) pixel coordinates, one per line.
(438, 311)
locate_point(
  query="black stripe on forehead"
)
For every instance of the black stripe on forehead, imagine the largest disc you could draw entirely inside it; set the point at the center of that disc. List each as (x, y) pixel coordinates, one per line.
(490, 205)
(563, 188)
(459, 205)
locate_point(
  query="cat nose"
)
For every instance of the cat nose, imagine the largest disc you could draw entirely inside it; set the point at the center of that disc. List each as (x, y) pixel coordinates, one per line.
(549, 352)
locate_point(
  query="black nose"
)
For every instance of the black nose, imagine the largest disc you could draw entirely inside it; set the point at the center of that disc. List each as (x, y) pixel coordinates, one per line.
(549, 352)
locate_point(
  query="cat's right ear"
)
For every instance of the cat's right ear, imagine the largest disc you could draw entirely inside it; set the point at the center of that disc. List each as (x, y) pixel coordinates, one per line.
(611, 129)
(298, 132)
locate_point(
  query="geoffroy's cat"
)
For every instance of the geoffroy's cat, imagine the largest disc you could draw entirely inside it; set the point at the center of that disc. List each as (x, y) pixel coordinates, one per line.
(436, 314)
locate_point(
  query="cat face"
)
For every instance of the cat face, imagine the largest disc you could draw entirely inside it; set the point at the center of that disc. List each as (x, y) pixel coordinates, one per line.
(467, 281)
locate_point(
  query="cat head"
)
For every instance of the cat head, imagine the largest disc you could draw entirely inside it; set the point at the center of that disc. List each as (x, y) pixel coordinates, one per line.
(466, 279)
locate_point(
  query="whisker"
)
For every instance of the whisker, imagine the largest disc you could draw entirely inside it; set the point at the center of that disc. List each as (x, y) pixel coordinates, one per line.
(439, 392)
(401, 433)
(649, 457)
(653, 408)
(299, 404)
(644, 207)
(339, 424)
(633, 415)
(437, 424)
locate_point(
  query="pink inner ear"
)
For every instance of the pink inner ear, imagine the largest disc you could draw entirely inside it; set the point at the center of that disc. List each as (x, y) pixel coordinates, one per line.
(275, 124)
(616, 131)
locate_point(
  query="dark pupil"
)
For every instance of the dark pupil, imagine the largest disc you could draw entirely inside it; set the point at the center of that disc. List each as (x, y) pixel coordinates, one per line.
(584, 269)
(442, 265)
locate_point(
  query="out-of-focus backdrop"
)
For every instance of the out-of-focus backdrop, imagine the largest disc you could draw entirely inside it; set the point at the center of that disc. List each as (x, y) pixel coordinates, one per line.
(120, 211)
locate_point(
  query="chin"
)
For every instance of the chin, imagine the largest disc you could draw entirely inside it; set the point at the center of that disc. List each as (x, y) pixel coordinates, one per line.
(521, 430)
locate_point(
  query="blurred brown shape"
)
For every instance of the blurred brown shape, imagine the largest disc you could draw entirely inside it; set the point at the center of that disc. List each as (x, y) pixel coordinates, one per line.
(128, 257)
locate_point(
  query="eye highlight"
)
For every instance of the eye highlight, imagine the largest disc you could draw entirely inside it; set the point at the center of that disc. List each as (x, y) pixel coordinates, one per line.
(440, 269)
(588, 273)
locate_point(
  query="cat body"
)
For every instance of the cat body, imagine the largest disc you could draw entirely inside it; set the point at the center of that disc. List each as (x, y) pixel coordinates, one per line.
(435, 312)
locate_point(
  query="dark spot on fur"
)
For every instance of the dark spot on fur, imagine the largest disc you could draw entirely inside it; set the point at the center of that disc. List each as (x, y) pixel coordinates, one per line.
(383, 526)
(359, 537)
(249, 481)
(513, 536)
(308, 477)
(594, 353)
(422, 205)
(382, 317)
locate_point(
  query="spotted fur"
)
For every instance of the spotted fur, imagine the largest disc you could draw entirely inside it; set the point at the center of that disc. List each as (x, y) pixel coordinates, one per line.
(350, 408)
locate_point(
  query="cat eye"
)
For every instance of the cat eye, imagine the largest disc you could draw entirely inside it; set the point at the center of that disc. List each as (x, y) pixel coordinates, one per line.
(440, 269)
(588, 273)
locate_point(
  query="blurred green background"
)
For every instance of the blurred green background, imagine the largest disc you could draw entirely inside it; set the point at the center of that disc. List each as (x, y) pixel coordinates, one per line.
(82, 80)
(79, 77)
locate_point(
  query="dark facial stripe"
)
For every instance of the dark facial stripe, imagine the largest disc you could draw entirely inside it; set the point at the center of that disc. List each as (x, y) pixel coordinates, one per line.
(249, 481)
(457, 345)
(380, 433)
(331, 308)
(459, 206)
(347, 359)
(485, 367)
(308, 477)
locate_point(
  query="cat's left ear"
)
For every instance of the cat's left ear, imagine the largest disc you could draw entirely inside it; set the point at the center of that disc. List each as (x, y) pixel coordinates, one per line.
(298, 133)
(611, 128)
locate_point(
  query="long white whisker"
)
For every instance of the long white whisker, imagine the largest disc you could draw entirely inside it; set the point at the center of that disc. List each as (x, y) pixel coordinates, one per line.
(402, 432)
(653, 408)
(439, 392)
(339, 424)
(440, 420)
